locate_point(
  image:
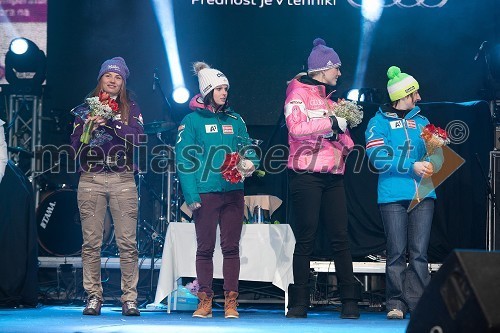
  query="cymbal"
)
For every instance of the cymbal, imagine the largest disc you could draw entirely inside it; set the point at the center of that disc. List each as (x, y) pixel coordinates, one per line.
(19, 150)
(159, 126)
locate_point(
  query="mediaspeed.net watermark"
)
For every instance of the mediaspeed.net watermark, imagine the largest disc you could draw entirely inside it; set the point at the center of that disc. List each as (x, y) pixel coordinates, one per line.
(200, 160)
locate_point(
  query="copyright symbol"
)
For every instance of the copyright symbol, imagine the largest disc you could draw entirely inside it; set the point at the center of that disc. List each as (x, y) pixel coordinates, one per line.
(458, 131)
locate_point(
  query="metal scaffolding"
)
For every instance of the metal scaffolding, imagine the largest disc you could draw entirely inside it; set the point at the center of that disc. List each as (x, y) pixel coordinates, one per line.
(24, 131)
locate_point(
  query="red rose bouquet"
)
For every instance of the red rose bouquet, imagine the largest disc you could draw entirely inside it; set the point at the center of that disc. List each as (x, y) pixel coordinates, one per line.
(236, 168)
(434, 137)
(103, 106)
(229, 168)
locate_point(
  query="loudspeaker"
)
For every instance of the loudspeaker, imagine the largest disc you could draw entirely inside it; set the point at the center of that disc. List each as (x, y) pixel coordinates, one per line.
(463, 296)
(497, 137)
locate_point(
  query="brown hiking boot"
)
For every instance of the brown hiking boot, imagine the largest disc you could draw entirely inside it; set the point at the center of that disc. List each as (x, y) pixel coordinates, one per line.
(129, 308)
(230, 305)
(204, 306)
(93, 307)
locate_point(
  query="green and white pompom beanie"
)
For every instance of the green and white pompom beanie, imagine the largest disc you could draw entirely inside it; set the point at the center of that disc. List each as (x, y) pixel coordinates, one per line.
(400, 84)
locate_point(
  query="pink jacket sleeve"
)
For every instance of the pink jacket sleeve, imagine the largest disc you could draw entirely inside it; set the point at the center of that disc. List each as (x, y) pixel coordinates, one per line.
(346, 142)
(298, 122)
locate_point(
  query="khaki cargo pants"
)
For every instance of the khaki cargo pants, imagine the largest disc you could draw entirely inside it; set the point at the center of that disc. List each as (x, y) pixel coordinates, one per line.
(95, 192)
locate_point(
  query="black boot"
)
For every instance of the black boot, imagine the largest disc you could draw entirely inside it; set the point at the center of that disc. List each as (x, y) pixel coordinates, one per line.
(350, 296)
(298, 301)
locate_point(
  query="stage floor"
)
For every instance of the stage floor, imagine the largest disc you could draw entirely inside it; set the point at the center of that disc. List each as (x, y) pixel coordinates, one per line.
(254, 318)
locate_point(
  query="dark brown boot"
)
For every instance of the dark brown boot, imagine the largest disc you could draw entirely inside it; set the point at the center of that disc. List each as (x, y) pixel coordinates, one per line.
(93, 307)
(129, 308)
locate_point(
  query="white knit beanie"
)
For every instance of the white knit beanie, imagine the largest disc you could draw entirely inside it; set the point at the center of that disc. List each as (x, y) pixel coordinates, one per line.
(208, 78)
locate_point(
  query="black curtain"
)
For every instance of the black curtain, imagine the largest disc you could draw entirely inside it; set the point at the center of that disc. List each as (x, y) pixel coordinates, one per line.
(18, 241)
(461, 208)
(274, 154)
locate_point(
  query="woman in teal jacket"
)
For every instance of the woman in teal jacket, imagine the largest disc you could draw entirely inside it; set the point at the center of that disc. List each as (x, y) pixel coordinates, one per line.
(205, 137)
(397, 151)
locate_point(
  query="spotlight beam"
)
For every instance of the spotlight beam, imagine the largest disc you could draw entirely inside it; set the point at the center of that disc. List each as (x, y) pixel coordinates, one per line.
(164, 13)
(371, 11)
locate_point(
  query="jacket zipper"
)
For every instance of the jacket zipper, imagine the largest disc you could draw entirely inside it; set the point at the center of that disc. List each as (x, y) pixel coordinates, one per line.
(222, 141)
(408, 155)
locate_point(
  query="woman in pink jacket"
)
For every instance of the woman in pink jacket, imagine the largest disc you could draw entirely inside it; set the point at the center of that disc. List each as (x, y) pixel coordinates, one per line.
(319, 142)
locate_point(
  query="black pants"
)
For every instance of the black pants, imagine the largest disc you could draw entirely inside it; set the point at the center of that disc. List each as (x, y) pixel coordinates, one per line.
(320, 198)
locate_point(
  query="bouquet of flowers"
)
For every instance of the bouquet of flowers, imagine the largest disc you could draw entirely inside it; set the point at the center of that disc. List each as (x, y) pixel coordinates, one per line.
(233, 168)
(102, 105)
(350, 110)
(236, 167)
(434, 137)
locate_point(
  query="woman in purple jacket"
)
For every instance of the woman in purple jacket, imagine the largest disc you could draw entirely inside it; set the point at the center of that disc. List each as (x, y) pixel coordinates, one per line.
(107, 179)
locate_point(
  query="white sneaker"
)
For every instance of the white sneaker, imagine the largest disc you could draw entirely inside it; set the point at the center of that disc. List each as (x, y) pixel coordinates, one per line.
(395, 314)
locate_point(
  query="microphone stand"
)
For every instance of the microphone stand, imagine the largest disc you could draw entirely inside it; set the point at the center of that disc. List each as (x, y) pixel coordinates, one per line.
(155, 237)
(490, 227)
(489, 81)
(157, 83)
(33, 180)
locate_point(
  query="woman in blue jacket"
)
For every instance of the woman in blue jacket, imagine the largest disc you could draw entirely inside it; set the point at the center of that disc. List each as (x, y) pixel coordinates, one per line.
(205, 137)
(396, 149)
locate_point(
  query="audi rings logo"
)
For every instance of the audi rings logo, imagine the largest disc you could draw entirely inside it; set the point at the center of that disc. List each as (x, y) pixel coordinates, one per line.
(405, 3)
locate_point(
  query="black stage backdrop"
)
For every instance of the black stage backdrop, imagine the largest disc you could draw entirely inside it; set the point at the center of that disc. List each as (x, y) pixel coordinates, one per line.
(18, 241)
(460, 214)
(260, 49)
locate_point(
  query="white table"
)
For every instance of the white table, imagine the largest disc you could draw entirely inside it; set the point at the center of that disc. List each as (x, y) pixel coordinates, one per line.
(266, 252)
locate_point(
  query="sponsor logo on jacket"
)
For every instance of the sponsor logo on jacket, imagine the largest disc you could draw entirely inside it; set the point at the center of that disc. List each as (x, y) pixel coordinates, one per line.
(211, 128)
(316, 102)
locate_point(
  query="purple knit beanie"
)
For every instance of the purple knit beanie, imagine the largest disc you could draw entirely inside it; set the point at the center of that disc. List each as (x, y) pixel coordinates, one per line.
(116, 65)
(322, 57)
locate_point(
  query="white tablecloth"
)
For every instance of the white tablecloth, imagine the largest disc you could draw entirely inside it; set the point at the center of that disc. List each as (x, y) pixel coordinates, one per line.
(266, 252)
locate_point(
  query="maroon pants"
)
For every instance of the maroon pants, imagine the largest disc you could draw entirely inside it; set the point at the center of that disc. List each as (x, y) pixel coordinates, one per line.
(225, 209)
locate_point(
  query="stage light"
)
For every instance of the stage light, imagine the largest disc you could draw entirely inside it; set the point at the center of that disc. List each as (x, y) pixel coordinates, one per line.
(372, 9)
(165, 16)
(180, 95)
(25, 71)
(19, 46)
(363, 95)
(353, 95)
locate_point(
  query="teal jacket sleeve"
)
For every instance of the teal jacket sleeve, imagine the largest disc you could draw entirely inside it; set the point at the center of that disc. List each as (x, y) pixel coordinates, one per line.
(249, 152)
(187, 160)
(382, 155)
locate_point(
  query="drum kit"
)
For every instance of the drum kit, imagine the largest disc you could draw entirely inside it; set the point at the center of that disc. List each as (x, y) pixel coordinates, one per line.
(58, 218)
